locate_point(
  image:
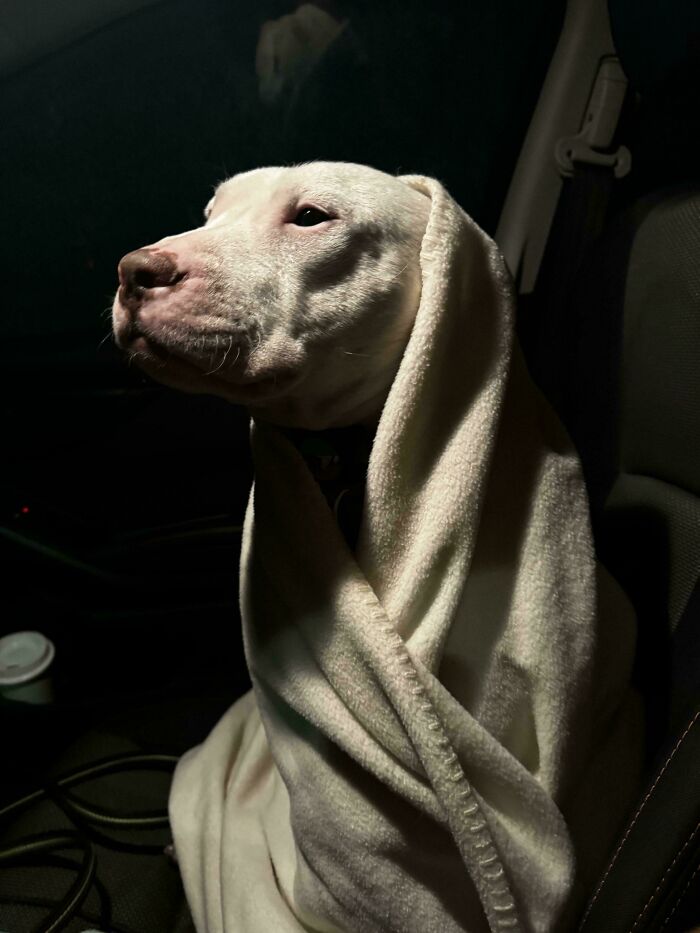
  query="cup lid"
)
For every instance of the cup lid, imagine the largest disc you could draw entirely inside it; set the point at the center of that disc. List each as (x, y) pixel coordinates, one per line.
(24, 656)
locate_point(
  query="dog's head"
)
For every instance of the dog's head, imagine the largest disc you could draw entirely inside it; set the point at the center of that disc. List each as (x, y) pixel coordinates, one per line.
(295, 299)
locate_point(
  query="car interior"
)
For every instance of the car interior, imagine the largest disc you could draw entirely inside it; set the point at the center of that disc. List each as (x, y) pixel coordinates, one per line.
(567, 130)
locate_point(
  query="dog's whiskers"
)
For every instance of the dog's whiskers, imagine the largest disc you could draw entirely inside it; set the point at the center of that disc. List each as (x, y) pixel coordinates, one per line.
(226, 353)
(400, 272)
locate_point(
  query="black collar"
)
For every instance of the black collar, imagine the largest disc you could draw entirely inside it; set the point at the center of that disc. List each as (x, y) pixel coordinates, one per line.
(337, 459)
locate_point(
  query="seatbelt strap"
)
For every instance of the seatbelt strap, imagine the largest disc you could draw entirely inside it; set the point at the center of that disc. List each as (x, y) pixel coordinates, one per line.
(589, 164)
(578, 220)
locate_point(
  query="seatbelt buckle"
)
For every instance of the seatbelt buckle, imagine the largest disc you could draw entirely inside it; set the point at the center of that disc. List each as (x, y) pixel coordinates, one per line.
(589, 145)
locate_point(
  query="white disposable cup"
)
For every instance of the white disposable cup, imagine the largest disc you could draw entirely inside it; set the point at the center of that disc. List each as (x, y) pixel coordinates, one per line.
(25, 659)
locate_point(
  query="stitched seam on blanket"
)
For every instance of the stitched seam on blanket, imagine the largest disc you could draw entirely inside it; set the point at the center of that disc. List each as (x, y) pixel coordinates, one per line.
(489, 878)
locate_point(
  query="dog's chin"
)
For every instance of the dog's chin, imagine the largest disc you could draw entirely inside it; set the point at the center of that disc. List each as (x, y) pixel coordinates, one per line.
(283, 394)
(191, 375)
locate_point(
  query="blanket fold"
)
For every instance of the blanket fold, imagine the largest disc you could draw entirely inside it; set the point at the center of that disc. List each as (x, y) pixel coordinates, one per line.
(435, 717)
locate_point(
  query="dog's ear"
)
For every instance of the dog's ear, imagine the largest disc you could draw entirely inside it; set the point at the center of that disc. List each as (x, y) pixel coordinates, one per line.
(420, 183)
(422, 196)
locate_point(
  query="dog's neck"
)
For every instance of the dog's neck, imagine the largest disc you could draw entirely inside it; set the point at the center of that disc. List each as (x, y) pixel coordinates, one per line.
(337, 459)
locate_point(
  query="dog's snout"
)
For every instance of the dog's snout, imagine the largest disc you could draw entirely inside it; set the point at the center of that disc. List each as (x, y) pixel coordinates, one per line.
(145, 268)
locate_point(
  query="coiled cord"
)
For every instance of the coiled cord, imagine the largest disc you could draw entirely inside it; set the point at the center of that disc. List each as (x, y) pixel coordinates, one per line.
(30, 849)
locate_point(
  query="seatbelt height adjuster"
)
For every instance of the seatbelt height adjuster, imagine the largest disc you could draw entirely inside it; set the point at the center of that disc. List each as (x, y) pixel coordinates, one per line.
(589, 145)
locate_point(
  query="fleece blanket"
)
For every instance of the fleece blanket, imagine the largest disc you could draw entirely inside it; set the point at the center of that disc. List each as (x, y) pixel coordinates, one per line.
(441, 735)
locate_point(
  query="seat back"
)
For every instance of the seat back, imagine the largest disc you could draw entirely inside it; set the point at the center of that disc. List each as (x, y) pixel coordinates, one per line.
(622, 366)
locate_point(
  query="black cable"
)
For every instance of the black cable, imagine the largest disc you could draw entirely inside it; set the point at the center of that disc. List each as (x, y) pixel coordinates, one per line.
(100, 917)
(26, 850)
(114, 764)
(64, 558)
(110, 818)
(30, 846)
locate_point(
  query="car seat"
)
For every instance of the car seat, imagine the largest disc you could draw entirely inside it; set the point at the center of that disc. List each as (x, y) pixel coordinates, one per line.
(613, 338)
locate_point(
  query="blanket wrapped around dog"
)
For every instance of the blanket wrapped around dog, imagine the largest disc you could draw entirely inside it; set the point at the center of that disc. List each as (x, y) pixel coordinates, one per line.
(441, 736)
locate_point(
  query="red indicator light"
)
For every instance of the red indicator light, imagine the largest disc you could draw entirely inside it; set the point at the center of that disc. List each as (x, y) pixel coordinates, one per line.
(24, 510)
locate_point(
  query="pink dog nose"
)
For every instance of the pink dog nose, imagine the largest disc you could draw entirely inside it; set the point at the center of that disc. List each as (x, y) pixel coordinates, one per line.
(145, 268)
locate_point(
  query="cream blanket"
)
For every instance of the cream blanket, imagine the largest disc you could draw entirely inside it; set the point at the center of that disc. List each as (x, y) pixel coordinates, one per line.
(441, 736)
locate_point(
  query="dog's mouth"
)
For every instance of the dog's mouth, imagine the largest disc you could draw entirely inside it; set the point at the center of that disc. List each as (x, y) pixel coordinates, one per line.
(181, 369)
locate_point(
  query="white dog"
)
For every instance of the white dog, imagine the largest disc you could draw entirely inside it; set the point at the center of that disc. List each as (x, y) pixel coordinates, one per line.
(295, 299)
(457, 675)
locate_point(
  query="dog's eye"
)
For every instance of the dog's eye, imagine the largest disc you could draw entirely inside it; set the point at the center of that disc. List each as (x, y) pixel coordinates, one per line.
(310, 216)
